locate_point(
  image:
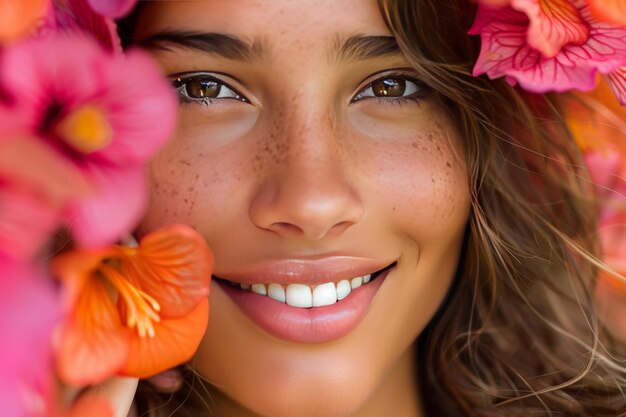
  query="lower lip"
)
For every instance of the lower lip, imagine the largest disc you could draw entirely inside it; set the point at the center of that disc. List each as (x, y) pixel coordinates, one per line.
(306, 325)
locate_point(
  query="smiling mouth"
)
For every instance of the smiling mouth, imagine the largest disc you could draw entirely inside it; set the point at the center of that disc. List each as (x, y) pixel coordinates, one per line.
(308, 296)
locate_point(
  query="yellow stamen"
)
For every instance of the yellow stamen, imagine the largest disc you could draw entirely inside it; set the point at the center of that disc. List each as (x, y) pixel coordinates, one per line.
(86, 129)
(142, 309)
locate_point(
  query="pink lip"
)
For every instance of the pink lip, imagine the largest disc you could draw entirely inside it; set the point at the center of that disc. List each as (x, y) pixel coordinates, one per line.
(302, 325)
(306, 271)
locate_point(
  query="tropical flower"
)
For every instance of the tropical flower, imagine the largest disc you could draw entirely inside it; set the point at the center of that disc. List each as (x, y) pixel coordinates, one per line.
(548, 45)
(112, 8)
(20, 18)
(133, 311)
(103, 115)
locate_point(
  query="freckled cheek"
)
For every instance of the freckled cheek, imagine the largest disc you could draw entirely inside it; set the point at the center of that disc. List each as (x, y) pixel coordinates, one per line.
(422, 186)
(193, 187)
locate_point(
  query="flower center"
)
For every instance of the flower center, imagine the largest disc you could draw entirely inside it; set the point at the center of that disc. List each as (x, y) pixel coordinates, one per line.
(86, 129)
(141, 310)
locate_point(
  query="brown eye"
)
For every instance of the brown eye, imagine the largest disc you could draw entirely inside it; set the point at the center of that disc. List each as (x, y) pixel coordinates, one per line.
(398, 88)
(389, 87)
(203, 88)
(200, 88)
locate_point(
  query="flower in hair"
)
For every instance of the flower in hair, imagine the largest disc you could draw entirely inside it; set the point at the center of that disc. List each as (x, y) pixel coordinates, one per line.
(549, 45)
(102, 115)
(133, 311)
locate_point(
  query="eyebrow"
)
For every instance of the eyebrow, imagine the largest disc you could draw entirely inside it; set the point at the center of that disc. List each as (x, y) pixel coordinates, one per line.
(353, 48)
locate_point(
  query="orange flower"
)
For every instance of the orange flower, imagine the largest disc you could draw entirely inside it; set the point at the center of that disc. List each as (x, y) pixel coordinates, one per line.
(133, 311)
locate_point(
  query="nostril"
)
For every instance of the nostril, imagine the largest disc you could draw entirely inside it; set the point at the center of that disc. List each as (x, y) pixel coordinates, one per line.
(287, 228)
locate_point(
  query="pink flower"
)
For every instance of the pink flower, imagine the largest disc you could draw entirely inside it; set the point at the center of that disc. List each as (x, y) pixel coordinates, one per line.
(112, 8)
(29, 312)
(104, 115)
(547, 45)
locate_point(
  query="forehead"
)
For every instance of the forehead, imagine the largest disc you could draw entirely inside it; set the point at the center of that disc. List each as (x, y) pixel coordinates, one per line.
(276, 22)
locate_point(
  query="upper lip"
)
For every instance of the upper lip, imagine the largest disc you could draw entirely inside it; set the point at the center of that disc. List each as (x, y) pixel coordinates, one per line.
(306, 271)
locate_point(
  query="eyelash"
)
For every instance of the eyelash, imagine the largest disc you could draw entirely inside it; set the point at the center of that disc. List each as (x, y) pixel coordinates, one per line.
(181, 84)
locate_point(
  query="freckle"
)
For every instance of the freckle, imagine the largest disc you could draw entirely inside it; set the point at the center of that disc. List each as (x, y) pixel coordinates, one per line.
(439, 148)
(448, 164)
(190, 189)
(415, 145)
(197, 176)
(186, 200)
(432, 180)
(186, 163)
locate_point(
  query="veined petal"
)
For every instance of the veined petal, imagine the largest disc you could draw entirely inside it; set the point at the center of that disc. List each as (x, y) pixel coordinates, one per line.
(553, 25)
(613, 11)
(617, 81)
(173, 265)
(506, 52)
(175, 341)
(92, 343)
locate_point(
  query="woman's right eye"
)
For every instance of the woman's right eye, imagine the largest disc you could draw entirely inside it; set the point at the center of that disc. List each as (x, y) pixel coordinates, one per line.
(203, 89)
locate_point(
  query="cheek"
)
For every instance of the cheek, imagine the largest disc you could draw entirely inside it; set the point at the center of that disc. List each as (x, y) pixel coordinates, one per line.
(418, 179)
(191, 184)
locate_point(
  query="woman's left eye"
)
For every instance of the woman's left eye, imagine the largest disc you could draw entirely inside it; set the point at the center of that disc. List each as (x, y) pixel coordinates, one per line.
(392, 87)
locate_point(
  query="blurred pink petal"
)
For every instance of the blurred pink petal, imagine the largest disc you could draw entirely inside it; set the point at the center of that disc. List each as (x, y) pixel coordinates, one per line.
(112, 8)
(116, 208)
(28, 314)
(617, 81)
(26, 222)
(506, 52)
(104, 114)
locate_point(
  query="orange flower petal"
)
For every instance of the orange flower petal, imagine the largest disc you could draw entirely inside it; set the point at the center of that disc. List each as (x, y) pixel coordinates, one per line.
(173, 265)
(613, 11)
(92, 406)
(175, 341)
(93, 344)
(19, 18)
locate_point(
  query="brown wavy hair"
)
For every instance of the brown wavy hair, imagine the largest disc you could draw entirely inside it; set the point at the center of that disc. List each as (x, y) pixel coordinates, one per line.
(518, 334)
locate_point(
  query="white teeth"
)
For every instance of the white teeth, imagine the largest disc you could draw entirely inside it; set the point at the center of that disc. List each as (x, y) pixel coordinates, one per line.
(324, 295)
(259, 289)
(343, 289)
(277, 292)
(299, 295)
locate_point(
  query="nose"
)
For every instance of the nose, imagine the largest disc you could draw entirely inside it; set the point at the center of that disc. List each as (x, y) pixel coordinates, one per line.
(306, 194)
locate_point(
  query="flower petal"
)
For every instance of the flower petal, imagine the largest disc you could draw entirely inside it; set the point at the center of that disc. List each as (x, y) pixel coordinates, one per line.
(506, 52)
(26, 222)
(112, 8)
(176, 340)
(613, 11)
(92, 343)
(173, 265)
(20, 18)
(92, 406)
(114, 210)
(617, 81)
(77, 16)
(553, 25)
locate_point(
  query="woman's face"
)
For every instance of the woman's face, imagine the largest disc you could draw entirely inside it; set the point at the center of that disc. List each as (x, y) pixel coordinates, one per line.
(307, 155)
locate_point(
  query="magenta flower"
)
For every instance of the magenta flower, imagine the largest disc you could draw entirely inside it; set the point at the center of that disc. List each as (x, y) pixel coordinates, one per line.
(547, 45)
(104, 115)
(29, 312)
